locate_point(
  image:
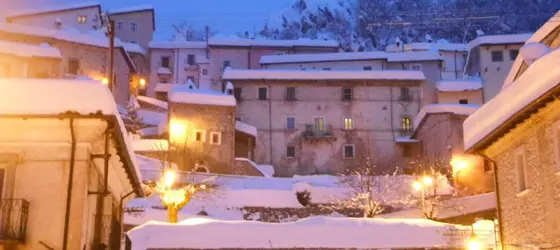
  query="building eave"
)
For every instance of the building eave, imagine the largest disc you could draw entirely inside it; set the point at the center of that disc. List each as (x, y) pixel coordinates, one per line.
(10, 18)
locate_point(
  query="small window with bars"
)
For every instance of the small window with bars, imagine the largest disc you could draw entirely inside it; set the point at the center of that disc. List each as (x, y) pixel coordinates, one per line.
(290, 93)
(347, 94)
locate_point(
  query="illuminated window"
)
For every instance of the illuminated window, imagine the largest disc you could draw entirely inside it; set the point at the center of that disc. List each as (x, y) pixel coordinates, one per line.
(406, 123)
(348, 123)
(82, 19)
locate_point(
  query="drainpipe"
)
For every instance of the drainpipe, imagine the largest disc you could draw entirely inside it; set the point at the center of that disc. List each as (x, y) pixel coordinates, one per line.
(121, 211)
(270, 119)
(69, 187)
(497, 191)
(456, 73)
(249, 58)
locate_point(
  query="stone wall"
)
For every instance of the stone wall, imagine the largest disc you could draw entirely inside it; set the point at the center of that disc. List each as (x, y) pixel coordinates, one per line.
(530, 216)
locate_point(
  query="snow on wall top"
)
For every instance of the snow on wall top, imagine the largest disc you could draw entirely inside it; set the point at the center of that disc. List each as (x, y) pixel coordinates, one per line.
(145, 7)
(133, 48)
(31, 96)
(428, 46)
(153, 101)
(351, 56)
(201, 97)
(243, 74)
(29, 50)
(176, 45)
(459, 109)
(272, 43)
(93, 38)
(499, 39)
(246, 128)
(304, 233)
(538, 36)
(459, 85)
(150, 145)
(54, 8)
(540, 77)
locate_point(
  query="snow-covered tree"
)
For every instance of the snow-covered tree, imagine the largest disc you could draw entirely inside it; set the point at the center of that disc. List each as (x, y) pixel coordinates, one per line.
(133, 121)
(185, 32)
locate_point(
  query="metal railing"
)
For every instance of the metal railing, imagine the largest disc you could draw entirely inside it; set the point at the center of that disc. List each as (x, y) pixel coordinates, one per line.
(313, 132)
(14, 219)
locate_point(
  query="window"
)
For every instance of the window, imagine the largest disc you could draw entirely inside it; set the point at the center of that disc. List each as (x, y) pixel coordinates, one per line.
(165, 61)
(346, 94)
(513, 54)
(290, 122)
(319, 123)
(406, 123)
(215, 138)
(190, 60)
(200, 136)
(120, 24)
(291, 93)
(520, 165)
(163, 80)
(237, 93)
(73, 66)
(263, 93)
(497, 56)
(367, 68)
(133, 27)
(463, 101)
(348, 151)
(407, 151)
(415, 67)
(405, 94)
(290, 151)
(226, 64)
(82, 19)
(487, 165)
(348, 123)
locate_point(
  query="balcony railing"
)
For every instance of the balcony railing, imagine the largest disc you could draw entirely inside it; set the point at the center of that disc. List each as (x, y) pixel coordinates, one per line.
(405, 132)
(13, 219)
(313, 132)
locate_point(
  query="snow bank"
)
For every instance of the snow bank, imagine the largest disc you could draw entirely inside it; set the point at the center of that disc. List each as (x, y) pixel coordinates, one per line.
(153, 118)
(272, 43)
(313, 232)
(428, 46)
(150, 145)
(134, 48)
(145, 7)
(54, 8)
(29, 50)
(540, 77)
(265, 170)
(499, 40)
(201, 97)
(459, 85)
(247, 74)
(459, 109)
(351, 56)
(246, 128)
(176, 45)
(532, 51)
(153, 101)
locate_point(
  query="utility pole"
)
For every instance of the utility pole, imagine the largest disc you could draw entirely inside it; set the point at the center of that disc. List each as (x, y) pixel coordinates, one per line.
(111, 54)
(207, 34)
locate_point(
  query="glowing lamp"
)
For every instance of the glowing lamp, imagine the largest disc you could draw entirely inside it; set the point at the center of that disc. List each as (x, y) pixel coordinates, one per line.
(177, 131)
(169, 178)
(474, 244)
(105, 81)
(427, 180)
(142, 82)
(417, 185)
(459, 164)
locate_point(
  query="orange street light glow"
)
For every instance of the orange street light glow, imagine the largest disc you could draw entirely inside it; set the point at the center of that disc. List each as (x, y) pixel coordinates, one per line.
(177, 131)
(459, 164)
(428, 181)
(142, 82)
(169, 178)
(105, 81)
(417, 185)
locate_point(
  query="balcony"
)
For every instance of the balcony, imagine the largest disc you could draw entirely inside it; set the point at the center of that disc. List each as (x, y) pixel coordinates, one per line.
(13, 219)
(405, 98)
(313, 133)
(405, 132)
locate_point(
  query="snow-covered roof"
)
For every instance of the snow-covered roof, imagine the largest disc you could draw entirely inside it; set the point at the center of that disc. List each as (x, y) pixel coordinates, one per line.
(272, 43)
(244, 74)
(177, 45)
(165, 87)
(265, 170)
(153, 101)
(53, 8)
(459, 85)
(499, 40)
(56, 96)
(552, 24)
(134, 48)
(428, 46)
(542, 76)
(150, 145)
(201, 97)
(246, 128)
(164, 71)
(137, 8)
(405, 139)
(29, 50)
(313, 232)
(459, 109)
(351, 56)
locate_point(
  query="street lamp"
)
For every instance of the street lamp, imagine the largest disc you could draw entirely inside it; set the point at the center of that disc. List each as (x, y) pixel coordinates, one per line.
(458, 164)
(105, 81)
(142, 82)
(473, 243)
(177, 131)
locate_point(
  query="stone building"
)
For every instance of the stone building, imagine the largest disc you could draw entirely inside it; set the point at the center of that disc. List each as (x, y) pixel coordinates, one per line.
(491, 58)
(519, 132)
(83, 54)
(20, 60)
(429, 62)
(463, 91)
(202, 127)
(52, 168)
(134, 24)
(79, 16)
(326, 121)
